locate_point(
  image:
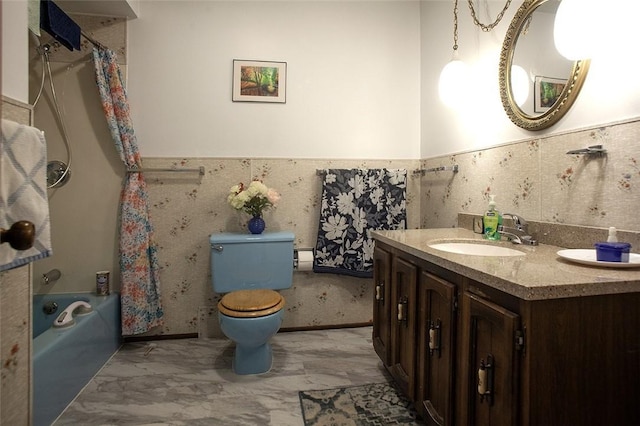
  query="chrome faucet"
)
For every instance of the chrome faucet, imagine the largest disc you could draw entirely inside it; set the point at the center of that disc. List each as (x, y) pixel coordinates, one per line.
(519, 233)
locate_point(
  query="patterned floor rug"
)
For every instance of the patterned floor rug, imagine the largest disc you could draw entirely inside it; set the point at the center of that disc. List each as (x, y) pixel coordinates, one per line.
(374, 404)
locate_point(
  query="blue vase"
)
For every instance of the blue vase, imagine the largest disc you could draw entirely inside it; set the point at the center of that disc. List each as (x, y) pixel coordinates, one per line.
(256, 225)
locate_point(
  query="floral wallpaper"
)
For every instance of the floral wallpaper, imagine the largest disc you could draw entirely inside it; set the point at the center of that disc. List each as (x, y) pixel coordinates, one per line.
(186, 208)
(538, 180)
(534, 178)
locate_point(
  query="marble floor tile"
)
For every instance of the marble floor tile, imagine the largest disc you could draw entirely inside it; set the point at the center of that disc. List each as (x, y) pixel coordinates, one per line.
(190, 381)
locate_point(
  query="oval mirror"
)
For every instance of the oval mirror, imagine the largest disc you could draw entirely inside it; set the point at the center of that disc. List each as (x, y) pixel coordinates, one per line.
(537, 84)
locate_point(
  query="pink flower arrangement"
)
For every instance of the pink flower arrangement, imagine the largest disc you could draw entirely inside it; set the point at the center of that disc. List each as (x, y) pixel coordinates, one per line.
(253, 199)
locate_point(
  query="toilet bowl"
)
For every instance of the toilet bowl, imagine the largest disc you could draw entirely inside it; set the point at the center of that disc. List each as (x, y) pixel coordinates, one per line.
(251, 324)
(248, 269)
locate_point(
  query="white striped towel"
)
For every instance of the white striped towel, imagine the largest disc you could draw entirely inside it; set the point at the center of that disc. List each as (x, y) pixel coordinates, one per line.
(23, 190)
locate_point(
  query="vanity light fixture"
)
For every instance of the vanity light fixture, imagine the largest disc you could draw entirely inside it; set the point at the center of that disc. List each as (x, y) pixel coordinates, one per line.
(453, 77)
(592, 28)
(574, 31)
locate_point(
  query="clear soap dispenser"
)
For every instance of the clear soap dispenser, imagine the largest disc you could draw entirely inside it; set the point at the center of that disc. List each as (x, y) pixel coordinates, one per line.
(613, 236)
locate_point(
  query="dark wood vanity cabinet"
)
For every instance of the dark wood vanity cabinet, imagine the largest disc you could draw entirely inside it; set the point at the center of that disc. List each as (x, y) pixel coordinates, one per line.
(394, 317)
(437, 305)
(403, 324)
(437, 348)
(468, 354)
(381, 335)
(489, 363)
(418, 350)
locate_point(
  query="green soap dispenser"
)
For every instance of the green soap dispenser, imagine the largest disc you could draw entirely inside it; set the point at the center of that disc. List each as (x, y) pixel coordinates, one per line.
(492, 220)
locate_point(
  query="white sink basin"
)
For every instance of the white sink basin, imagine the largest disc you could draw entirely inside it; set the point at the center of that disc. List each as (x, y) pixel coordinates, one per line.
(476, 249)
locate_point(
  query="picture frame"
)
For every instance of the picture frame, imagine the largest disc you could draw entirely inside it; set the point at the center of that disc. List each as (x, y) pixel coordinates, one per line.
(259, 81)
(547, 91)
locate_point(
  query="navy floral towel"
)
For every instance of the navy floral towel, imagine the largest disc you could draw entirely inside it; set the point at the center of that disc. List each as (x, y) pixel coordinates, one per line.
(355, 202)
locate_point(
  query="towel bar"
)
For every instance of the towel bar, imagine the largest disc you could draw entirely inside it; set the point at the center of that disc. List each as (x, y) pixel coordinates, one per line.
(322, 172)
(453, 168)
(200, 170)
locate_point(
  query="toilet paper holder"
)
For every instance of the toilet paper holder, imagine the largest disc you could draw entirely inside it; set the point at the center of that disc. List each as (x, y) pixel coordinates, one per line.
(303, 259)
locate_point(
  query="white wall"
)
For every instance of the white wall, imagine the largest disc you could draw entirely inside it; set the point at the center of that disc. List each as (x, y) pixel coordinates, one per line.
(353, 84)
(15, 62)
(354, 81)
(611, 93)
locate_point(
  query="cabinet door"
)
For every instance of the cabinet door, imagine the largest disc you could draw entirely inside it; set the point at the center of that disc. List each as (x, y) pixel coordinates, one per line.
(403, 332)
(382, 304)
(436, 331)
(489, 370)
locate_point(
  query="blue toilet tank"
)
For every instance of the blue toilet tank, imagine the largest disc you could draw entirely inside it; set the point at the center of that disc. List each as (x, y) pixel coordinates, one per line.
(247, 261)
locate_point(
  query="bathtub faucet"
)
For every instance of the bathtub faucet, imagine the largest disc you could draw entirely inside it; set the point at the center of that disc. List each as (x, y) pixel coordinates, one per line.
(51, 276)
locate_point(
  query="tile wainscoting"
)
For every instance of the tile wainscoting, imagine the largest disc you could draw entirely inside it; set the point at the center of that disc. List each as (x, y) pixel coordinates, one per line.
(186, 208)
(534, 178)
(539, 181)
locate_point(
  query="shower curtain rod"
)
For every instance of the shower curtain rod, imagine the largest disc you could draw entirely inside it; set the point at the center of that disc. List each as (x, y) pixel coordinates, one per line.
(93, 41)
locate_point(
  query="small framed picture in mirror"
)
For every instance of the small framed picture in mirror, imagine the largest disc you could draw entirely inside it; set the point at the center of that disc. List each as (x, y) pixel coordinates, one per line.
(259, 81)
(547, 91)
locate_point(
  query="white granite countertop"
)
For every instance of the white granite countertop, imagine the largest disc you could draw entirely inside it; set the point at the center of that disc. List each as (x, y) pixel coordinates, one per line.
(538, 275)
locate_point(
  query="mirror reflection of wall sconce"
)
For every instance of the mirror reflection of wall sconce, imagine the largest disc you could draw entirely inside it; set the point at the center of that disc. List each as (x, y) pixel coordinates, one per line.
(452, 85)
(520, 84)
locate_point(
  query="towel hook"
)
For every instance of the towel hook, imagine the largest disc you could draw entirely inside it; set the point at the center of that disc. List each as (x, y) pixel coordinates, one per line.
(20, 236)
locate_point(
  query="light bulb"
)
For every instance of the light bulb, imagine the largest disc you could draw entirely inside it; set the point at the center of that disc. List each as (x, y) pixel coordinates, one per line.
(452, 85)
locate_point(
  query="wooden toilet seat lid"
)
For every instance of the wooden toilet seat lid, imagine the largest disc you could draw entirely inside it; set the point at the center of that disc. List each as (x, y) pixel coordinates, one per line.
(251, 303)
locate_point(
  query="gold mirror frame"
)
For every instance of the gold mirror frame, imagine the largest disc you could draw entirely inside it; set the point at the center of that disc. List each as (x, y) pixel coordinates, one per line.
(569, 93)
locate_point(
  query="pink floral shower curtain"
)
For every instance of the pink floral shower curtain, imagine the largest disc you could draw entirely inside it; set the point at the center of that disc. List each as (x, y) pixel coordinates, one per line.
(140, 287)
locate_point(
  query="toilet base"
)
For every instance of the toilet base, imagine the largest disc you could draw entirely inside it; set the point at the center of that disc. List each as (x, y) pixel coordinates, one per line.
(252, 360)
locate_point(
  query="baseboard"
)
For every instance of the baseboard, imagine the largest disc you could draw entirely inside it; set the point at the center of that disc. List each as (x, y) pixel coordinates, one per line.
(132, 339)
(325, 327)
